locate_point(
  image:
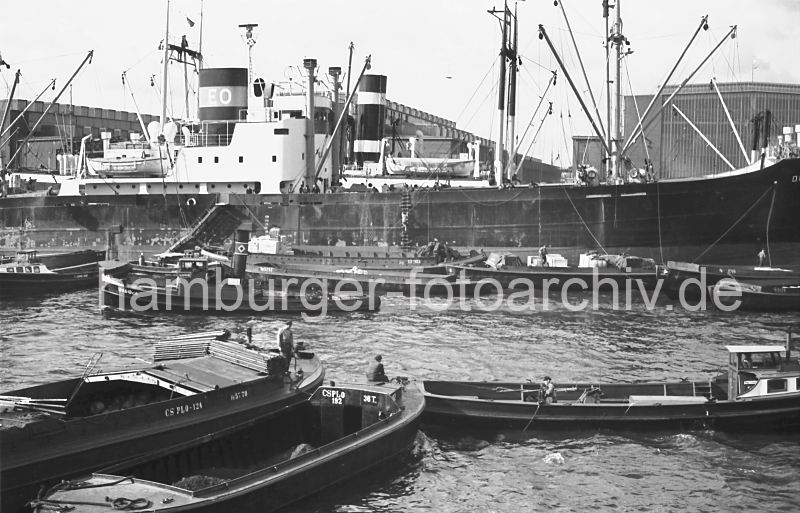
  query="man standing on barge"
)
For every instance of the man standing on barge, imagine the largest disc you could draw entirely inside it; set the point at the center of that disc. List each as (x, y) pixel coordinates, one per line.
(286, 343)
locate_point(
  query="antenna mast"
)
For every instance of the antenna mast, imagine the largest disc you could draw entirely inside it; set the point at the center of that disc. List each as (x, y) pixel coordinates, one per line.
(251, 42)
(166, 70)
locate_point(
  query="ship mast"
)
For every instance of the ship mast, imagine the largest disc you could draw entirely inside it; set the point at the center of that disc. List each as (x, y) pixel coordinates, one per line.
(617, 39)
(499, 160)
(512, 100)
(608, 135)
(166, 70)
(310, 65)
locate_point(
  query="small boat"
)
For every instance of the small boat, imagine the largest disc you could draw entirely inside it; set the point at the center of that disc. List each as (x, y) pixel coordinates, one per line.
(759, 393)
(734, 294)
(510, 272)
(145, 165)
(342, 431)
(320, 258)
(416, 281)
(209, 292)
(686, 279)
(31, 274)
(197, 385)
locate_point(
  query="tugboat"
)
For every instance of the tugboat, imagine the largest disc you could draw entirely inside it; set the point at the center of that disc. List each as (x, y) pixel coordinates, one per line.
(194, 285)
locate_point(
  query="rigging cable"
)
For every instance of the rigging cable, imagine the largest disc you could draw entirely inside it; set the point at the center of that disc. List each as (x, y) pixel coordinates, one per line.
(585, 150)
(636, 106)
(737, 221)
(769, 218)
(252, 214)
(490, 70)
(581, 218)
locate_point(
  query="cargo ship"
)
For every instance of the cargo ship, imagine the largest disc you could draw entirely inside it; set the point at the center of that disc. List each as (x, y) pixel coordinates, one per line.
(274, 158)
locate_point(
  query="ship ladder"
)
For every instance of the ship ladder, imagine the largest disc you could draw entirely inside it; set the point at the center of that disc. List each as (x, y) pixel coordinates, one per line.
(405, 213)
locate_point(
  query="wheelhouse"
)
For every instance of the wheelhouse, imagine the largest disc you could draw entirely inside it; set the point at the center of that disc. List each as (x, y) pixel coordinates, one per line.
(757, 371)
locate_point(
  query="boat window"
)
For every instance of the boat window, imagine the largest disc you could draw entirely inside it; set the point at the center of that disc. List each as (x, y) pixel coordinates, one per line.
(748, 382)
(776, 385)
(28, 269)
(37, 269)
(797, 383)
(19, 269)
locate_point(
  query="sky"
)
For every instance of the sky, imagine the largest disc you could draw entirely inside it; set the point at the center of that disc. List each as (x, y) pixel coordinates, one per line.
(440, 56)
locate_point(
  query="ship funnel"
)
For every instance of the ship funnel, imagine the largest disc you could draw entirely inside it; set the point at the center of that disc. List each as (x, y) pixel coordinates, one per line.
(240, 242)
(223, 94)
(371, 116)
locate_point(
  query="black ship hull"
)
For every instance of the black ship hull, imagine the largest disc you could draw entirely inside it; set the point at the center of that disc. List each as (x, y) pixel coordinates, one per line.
(201, 296)
(723, 219)
(44, 450)
(71, 271)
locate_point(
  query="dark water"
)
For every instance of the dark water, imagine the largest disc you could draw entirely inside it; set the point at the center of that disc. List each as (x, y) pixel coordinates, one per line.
(48, 339)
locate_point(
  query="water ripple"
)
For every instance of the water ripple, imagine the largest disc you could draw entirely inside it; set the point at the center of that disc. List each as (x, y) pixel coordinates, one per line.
(506, 471)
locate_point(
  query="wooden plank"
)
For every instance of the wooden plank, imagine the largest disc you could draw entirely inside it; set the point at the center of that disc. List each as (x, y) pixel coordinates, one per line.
(169, 375)
(228, 372)
(179, 350)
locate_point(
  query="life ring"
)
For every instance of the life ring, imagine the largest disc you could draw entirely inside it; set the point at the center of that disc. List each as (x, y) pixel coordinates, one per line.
(191, 202)
(591, 174)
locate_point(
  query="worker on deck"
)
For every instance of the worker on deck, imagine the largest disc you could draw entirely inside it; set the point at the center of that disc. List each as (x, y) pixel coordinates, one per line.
(547, 391)
(286, 343)
(375, 372)
(543, 256)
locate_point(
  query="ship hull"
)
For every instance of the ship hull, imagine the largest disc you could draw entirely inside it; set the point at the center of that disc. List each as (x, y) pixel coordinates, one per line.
(726, 219)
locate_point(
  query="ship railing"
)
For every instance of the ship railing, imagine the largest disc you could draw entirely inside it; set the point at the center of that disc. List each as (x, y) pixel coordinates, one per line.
(127, 145)
(210, 139)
